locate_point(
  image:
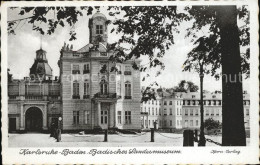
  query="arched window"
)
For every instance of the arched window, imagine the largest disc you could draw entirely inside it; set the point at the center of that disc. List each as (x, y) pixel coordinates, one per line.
(128, 90)
(103, 87)
(75, 90)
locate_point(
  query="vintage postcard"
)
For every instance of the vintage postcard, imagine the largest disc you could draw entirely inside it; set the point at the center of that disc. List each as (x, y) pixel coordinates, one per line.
(140, 82)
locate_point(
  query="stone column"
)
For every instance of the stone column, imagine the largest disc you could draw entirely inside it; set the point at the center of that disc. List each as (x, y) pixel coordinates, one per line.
(22, 118)
(44, 117)
(115, 119)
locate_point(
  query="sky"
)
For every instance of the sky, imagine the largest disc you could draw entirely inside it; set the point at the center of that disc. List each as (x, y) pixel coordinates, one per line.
(22, 49)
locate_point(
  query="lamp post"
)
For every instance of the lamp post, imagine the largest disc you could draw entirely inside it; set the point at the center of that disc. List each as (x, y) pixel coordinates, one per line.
(202, 140)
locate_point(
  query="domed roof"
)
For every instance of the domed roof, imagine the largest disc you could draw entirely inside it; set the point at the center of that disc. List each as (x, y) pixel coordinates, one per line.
(40, 65)
(98, 14)
(40, 68)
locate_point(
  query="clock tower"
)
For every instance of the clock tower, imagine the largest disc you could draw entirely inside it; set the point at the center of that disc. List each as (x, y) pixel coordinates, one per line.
(98, 28)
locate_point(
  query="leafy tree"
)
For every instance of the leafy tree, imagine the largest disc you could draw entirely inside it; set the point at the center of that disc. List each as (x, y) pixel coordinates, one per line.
(46, 20)
(227, 38)
(184, 86)
(212, 124)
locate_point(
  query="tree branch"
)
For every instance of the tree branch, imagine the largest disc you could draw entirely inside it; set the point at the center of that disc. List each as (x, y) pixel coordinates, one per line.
(19, 19)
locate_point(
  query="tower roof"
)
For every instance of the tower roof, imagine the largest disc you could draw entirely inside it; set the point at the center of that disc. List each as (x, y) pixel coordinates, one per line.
(41, 66)
(98, 14)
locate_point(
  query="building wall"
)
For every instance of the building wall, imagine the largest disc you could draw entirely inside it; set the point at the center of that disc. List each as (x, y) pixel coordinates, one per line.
(186, 110)
(24, 94)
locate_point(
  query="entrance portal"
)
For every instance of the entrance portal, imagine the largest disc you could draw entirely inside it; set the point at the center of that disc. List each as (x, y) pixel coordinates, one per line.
(33, 119)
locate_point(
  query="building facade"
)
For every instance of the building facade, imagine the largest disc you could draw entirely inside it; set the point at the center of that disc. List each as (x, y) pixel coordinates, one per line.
(182, 110)
(87, 94)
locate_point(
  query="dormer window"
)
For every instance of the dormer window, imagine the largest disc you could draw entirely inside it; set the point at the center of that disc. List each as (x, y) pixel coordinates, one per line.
(99, 29)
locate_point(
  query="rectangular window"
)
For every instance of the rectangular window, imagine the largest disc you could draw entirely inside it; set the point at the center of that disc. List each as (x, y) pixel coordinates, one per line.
(247, 112)
(127, 90)
(186, 124)
(170, 111)
(165, 111)
(197, 122)
(165, 123)
(75, 90)
(212, 112)
(170, 122)
(127, 117)
(217, 112)
(165, 102)
(156, 111)
(99, 29)
(87, 117)
(152, 111)
(197, 112)
(207, 112)
(119, 117)
(128, 70)
(191, 123)
(86, 69)
(177, 111)
(75, 67)
(186, 112)
(104, 117)
(191, 112)
(160, 113)
(76, 117)
(149, 122)
(149, 111)
(171, 103)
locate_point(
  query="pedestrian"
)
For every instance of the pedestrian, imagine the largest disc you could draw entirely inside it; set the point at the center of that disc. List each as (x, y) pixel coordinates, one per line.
(52, 129)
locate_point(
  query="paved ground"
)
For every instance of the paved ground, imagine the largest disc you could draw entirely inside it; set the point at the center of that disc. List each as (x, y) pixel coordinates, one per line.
(75, 140)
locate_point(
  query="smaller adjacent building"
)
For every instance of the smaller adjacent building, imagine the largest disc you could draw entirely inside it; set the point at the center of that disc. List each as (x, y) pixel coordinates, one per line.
(34, 102)
(182, 110)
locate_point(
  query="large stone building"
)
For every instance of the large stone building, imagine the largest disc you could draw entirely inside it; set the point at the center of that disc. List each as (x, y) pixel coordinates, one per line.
(182, 110)
(87, 95)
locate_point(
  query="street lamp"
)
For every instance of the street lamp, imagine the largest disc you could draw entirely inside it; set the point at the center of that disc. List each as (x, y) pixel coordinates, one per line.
(202, 140)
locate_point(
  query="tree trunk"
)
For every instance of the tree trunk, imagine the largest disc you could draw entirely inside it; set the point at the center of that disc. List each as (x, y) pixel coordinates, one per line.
(233, 131)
